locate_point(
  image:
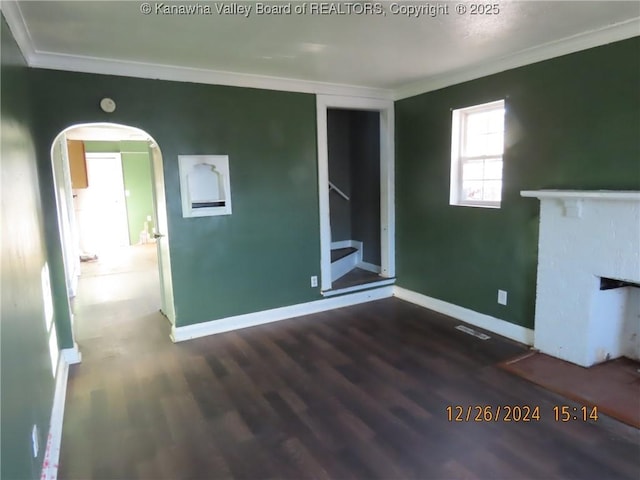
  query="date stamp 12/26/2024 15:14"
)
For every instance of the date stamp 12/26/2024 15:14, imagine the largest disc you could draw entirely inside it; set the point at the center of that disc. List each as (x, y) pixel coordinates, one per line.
(520, 413)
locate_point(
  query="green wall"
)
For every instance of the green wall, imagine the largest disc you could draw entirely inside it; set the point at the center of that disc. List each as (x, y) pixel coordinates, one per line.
(136, 173)
(572, 123)
(27, 383)
(96, 146)
(260, 257)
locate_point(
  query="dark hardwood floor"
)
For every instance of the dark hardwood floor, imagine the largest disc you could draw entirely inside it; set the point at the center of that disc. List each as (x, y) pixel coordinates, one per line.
(357, 276)
(355, 393)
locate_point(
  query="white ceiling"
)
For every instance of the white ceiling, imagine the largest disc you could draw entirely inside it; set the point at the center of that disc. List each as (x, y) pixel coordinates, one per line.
(384, 53)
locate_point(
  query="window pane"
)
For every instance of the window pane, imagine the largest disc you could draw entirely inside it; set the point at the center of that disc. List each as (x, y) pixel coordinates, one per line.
(472, 190)
(484, 133)
(474, 145)
(476, 124)
(473, 170)
(492, 191)
(493, 169)
(494, 143)
(477, 147)
(496, 120)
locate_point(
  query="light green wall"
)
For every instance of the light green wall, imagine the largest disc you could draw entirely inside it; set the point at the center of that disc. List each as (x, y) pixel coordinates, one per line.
(136, 171)
(260, 257)
(572, 123)
(27, 382)
(101, 146)
(95, 146)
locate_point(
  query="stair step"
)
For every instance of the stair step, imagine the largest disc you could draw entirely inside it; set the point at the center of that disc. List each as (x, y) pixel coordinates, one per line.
(339, 253)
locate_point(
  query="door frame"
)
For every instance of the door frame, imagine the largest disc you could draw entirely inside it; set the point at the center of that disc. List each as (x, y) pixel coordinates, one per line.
(160, 213)
(387, 180)
(162, 232)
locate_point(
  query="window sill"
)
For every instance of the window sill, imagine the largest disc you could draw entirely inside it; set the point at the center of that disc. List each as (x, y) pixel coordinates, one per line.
(477, 205)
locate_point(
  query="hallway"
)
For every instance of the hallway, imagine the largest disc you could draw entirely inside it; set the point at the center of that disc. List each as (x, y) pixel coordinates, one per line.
(117, 308)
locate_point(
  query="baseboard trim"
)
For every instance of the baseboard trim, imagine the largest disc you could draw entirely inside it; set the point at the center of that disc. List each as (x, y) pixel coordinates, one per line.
(346, 244)
(487, 322)
(54, 439)
(180, 334)
(356, 288)
(369, 267)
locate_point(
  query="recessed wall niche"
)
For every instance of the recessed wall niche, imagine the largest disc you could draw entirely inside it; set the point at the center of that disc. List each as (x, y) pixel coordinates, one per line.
(205, 185)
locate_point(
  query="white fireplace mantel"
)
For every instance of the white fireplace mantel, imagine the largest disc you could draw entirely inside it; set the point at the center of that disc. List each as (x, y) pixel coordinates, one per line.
(572, 200)
(586, 235)
(623, 195)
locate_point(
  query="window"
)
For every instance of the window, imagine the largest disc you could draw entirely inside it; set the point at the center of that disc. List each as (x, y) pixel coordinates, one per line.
(477, 144)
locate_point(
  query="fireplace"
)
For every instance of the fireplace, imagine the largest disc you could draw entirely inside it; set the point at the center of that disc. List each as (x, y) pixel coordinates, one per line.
(588, 239)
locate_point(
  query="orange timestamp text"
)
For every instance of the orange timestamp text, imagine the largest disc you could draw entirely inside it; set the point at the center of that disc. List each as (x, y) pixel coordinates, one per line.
(493, 413)
(519, 413)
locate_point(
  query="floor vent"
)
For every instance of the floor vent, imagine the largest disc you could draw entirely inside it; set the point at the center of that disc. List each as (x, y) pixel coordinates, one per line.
(471, 331)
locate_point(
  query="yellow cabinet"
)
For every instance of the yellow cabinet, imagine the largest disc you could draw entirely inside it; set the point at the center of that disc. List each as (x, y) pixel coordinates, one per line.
(77, 164)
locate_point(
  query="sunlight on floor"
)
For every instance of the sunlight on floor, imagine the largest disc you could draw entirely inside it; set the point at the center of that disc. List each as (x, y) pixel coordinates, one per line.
(122, 259)
(117, 295)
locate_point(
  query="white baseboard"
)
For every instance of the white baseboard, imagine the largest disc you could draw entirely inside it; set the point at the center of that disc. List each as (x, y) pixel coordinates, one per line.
(341, 267)
(363, 286)
(487, 322)
(54, 438)
(179, 334)
(369, 267)
(71, 355)
(344, 265)
(346, 244)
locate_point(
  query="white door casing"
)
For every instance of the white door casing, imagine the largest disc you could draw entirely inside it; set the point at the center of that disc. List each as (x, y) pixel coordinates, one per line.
(70, 241)
(387, 192)
(162, 232)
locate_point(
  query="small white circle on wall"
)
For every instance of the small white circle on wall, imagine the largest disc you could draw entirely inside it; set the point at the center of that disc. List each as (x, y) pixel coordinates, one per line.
(107, 105)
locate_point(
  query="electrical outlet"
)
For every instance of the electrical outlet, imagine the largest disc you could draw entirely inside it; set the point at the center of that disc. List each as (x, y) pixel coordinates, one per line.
(34, 441)
(148, 218)
(502, 297)
(314, 281)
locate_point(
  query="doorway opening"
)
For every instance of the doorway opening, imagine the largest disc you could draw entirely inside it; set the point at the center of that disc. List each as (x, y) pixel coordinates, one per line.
(111, 207)
(355, 173)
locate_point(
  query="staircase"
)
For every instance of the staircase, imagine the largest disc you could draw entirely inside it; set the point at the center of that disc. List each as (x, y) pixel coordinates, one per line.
(345, 256)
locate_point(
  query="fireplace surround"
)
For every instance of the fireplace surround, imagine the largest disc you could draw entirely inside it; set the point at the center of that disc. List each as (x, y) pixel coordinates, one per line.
(587, 236)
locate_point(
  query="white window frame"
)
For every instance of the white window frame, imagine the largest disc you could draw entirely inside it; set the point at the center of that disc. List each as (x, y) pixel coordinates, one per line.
(458, 126)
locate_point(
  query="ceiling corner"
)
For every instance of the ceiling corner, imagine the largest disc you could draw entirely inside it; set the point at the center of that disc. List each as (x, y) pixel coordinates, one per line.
(583, 41)
(17, 25)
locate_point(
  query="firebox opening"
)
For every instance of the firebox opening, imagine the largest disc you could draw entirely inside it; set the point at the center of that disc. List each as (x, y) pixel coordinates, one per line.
(611, 283)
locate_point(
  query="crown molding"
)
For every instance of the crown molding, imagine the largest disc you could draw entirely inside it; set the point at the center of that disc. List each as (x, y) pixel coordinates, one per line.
(55, 61)
(104, 66)
(18, 26)
(575, 43)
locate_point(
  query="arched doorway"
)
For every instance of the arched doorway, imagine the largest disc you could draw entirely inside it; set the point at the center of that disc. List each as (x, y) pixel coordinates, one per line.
(111, 207)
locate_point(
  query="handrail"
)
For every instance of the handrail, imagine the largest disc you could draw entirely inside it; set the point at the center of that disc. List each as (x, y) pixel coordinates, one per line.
(338, 191)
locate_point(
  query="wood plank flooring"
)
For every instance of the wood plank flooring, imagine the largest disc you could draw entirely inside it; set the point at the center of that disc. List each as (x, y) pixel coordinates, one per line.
(357, 276)
(355, 393)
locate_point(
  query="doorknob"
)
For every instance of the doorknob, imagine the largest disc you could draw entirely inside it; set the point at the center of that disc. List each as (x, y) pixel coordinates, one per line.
(157, 235)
